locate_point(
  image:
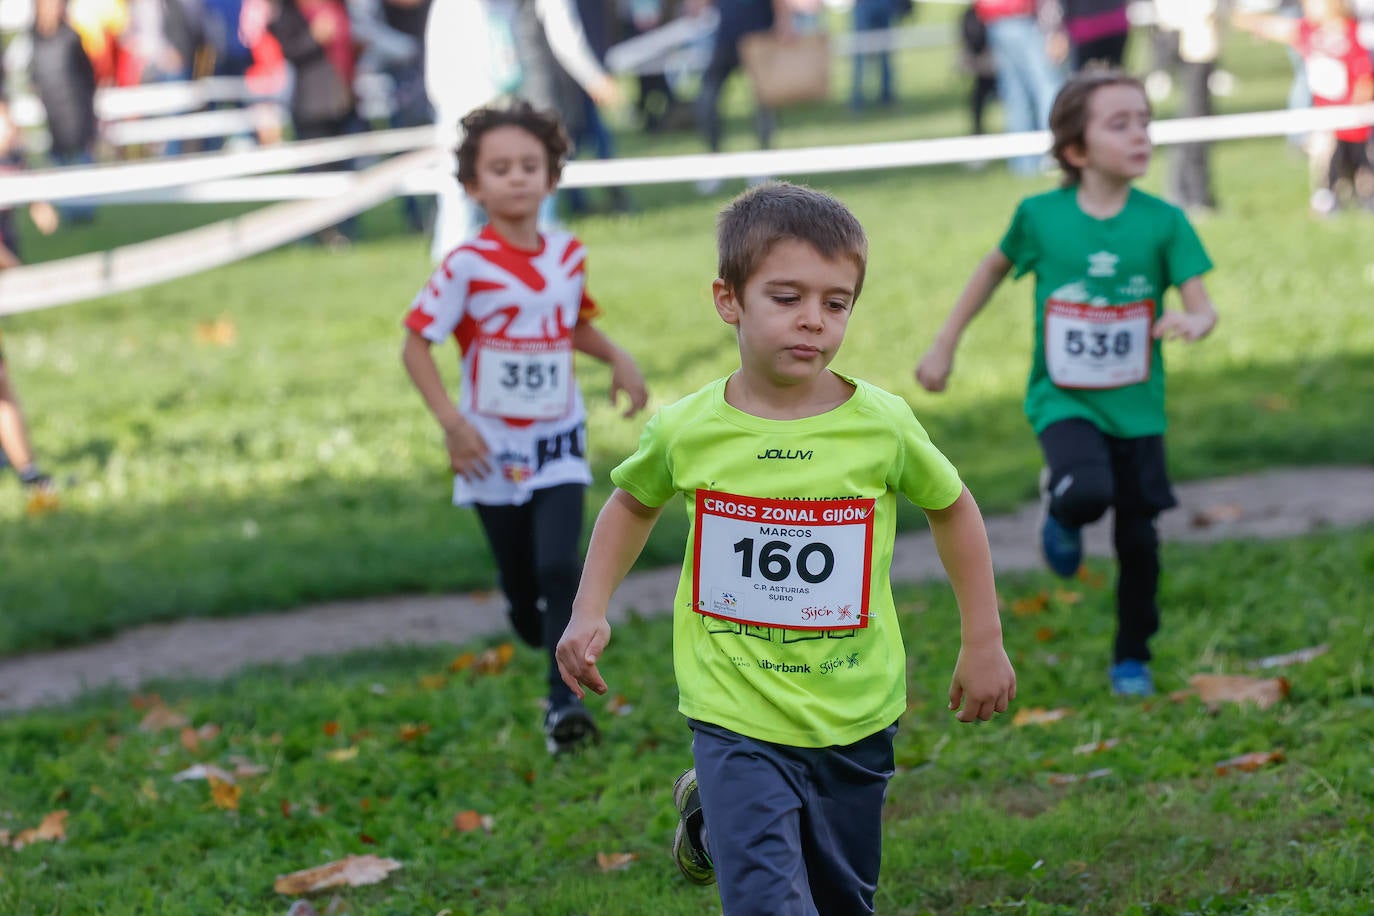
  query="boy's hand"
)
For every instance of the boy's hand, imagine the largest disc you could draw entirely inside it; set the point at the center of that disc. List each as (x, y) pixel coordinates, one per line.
(932, 372)
(468, 454)
(626, 377)
(578, 652)
(983, 683)
(1187, 326)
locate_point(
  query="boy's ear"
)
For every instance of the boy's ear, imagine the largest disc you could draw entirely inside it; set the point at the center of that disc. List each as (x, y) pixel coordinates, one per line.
(1076, 154)
(728, 305)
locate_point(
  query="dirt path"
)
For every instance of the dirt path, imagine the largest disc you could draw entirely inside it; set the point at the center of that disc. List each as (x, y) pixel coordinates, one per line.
(1274, 504)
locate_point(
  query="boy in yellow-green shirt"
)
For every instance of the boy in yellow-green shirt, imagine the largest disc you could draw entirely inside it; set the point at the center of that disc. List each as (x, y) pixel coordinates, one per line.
(787, 651)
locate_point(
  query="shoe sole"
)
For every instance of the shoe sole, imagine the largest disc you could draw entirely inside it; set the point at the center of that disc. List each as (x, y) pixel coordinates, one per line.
(682, 791)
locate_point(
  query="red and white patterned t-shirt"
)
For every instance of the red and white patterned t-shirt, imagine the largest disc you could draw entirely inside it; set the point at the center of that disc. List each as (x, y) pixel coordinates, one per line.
(1334, 61)
(512, 312)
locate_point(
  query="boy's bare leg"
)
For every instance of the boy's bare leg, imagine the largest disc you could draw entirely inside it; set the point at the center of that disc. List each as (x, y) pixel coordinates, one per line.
(14, 435)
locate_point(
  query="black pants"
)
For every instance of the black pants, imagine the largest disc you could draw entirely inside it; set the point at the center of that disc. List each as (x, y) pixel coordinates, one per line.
(536, 550)
(1108, 50)
(737, 20)
(1349, 159)
(1091, 472)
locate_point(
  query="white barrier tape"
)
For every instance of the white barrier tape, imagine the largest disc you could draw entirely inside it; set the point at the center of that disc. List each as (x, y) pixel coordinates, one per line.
(65, 184)
(113, 103)
(197, 126)
(39, 286)
(813, 160)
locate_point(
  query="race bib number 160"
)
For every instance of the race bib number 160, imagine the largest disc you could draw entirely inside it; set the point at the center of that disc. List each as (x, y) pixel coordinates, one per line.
(796, 564)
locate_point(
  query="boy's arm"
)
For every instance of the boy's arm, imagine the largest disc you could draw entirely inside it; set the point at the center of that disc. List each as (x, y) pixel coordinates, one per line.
(618, 538)
(467, 450)
(1197, 319)
(984, 682)
(625, 375)
(932, 372)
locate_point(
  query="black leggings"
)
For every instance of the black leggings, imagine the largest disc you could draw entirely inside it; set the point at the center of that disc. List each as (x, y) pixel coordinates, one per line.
(1091, 472)
(536, 550)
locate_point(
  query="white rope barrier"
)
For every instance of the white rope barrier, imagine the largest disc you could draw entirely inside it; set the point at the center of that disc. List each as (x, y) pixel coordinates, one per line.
(129, 267)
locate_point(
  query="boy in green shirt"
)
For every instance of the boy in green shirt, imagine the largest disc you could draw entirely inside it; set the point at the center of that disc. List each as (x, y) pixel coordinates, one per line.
(786, 647)
(1103, 255)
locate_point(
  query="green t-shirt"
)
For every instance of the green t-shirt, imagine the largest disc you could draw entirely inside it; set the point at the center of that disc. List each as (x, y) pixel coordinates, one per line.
(759, 493)
(1099, 283)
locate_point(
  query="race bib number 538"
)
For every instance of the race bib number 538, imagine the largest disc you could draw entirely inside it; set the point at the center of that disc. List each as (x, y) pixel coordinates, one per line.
(1090, 346)
(796, 564)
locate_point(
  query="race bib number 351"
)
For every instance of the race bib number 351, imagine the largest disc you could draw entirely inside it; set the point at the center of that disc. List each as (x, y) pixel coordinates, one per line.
(796, 564)
(524, 379)
(1098, 347)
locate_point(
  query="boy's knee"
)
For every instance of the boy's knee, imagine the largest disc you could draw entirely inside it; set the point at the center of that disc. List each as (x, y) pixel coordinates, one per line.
(1081, 495)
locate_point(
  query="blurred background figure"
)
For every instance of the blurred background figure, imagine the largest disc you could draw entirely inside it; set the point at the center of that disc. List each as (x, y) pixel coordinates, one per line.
(874, 16)
(975, 59)
(656, 104)
(1188, 43)
(101, 24)
(1094, 31)
(1027, 78)
(64, 80)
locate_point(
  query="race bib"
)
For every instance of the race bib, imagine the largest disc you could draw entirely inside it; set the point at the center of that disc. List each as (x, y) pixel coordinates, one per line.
(791, 563)
(1095, 347)
(523, 379)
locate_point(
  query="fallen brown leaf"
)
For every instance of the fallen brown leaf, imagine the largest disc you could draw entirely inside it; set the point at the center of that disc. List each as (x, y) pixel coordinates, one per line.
(619, 706)
(341, 754)
(1039, 716)
(1066, 779)
(42, 501)
(462, 662)
(225, 795)
(1044, 634)
(159, 717)
(221, 332)
(1249, 763)
(433, 681)
(494, 660)
(351, 871)
(1064, 596)
(1032, 604)
(1097, 747)
(1274, 403)
(53, 827)
(331, 728)
(1090, 578)
(1215, 689)
(468, 821)
(615, 861)
(411, 731)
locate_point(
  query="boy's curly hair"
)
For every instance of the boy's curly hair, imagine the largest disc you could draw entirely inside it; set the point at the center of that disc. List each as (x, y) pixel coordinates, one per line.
(755, 221)
(1069, 114)
(544, 125)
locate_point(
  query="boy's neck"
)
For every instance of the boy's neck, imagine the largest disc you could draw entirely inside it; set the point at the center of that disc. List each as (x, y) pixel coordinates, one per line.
(522, 233)
(768, 401)
(1102, 197)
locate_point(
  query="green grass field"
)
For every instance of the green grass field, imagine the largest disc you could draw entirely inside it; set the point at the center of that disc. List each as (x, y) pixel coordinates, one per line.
(210, 473)
(294, 463)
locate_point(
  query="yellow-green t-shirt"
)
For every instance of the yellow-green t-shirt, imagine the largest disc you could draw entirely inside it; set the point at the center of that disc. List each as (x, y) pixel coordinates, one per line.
(833, 671)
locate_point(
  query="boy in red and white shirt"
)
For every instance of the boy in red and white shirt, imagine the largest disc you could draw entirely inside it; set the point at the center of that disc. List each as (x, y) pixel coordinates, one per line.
(515, 300)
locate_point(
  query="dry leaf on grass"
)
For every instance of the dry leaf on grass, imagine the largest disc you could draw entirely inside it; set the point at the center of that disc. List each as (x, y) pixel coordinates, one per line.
(433, 681)
(619, 706)
(341, 754)
(331, 728)
(1039, 716)
(1249, 763)
(1300, 657)
(1044, 634)
(1033, 604)
(1274, 403)
(244, 768)
(1215, 689)
(1090, 578)
(41, 502)
(225, 795)
(351, 871)
(410, 731)
(1068, 779)
(1065, 596)
(160, 716)
(220, 333)
(615, 861)
(52, 828)
(468, 821)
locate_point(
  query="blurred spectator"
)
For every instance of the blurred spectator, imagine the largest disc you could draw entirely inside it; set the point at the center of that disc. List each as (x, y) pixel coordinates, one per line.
(975, 59)
(100, 23)
(1339, 72)
(1095, 30)
(1189, 34)
(479, 50)
(12, 162)
(655, 103)
(873, 16)
(268, 74)
(63, 78)
(594, 139)
(737, 19)
(316, 39)
(1027, 79)
(227, 49)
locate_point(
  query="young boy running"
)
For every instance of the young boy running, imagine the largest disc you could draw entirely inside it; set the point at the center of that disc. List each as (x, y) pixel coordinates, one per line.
(1103, 255)
(788, 656)
(515, 301)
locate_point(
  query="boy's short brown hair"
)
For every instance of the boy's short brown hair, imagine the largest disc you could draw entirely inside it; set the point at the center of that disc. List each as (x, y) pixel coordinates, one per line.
(1069, 114)
(752, 223)
(544, 125)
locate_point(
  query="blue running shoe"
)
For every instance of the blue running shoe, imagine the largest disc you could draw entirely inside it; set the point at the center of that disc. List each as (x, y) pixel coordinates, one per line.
(1131, 678)
(1060, 545)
